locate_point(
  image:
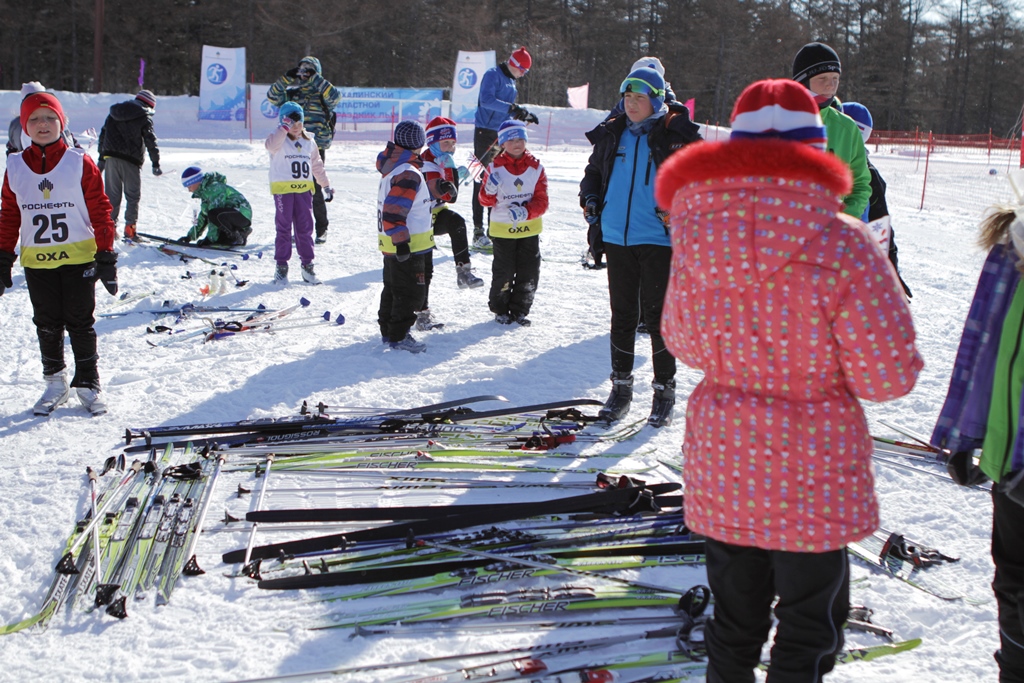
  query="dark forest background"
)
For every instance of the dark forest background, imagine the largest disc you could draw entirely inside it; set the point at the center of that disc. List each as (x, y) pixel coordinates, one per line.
(955, 66)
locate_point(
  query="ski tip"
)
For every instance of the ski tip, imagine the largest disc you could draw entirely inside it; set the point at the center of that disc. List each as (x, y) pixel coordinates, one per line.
(304, 302)
(340, 320)
(326, 316)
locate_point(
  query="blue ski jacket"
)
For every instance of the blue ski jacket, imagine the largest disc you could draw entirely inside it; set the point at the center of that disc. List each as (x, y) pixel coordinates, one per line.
(497, 95)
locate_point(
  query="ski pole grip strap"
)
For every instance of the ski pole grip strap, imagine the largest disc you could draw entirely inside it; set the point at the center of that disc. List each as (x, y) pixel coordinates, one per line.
(695, 601)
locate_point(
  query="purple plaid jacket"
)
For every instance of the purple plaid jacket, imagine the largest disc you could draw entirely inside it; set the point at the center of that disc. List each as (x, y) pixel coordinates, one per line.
(962, 421)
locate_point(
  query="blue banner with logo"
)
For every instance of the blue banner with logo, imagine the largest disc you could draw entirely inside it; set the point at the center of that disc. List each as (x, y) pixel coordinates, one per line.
(388, 105)
(222, 85)
(469, 69)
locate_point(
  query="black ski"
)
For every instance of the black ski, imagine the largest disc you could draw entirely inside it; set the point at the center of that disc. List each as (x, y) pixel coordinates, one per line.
(622, 500)
(518, 410)
(298, 423)
(376, 514)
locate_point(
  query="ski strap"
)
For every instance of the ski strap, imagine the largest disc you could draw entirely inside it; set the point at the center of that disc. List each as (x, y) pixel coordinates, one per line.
(920, 556)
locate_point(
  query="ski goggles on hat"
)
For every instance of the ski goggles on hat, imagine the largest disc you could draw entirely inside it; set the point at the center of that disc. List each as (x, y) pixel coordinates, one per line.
(641, 86)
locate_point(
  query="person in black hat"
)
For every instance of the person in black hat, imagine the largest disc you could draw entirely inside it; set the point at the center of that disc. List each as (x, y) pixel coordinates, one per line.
(817, 68)
(124, 139)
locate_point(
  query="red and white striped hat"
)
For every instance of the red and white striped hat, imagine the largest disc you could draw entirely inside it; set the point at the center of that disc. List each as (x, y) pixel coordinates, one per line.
(778, 108)
(439, 128)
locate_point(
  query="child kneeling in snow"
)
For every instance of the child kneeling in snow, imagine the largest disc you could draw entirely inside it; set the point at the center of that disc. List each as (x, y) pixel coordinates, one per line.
(225, 215)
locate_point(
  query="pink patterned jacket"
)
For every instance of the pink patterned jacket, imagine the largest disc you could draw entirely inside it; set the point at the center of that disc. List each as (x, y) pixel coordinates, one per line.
(793, 313)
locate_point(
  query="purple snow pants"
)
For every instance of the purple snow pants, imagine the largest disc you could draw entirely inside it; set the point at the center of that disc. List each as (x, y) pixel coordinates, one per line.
(297, 210)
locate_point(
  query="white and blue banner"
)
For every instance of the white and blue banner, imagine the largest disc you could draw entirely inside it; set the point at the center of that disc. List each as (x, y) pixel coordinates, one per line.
(388, 105)
(469, 69)
(222, 84)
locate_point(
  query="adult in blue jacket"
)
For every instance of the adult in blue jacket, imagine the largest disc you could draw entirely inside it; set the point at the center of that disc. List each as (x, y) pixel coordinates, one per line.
(618, 190)
(495, 105)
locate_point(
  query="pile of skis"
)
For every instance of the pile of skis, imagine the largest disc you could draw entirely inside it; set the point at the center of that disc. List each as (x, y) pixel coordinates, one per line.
(520, 532)
(138, 537)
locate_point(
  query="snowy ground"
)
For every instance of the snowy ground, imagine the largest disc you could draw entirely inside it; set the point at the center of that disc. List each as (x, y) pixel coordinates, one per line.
(218, 628)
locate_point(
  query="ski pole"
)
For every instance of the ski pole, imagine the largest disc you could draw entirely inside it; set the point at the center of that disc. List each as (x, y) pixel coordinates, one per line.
(258, 505)
(68, 558)
(191, 567)
(95, 533)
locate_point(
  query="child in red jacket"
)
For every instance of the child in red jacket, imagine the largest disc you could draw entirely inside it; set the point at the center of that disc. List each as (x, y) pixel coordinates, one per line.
(53, 203)
(790, 310)
(516, 186)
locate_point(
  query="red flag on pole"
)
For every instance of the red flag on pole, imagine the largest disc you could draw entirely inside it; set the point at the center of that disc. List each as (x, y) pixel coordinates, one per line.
(691, 105)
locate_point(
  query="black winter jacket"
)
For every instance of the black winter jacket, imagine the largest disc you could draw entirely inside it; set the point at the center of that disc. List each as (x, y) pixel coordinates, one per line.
(127, 129)
(672, 133)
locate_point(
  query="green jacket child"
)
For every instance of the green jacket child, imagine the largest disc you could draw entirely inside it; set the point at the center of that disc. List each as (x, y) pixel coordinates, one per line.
(224, 215)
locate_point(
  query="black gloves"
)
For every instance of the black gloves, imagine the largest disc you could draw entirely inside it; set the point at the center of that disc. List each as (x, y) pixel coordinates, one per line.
(157, 171)
(106, 270)
(447, 187)
(521, 114)
(328, 193)
(962, 469)
(101, 163)
(183, 240)
(6, 262)
(402, 252)
(292, 73)
(591, 210)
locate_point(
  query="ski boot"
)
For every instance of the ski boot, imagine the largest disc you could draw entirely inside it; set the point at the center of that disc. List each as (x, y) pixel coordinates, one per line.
(425, 321)
(56, 393)
(408, 344)
(618, 402)
(308, 275)
(465, 279)
(92, 400)
(281, 274)
(664, 401)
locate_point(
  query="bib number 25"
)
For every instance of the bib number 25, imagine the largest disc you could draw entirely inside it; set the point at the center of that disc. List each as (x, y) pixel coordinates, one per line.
(50, 228)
